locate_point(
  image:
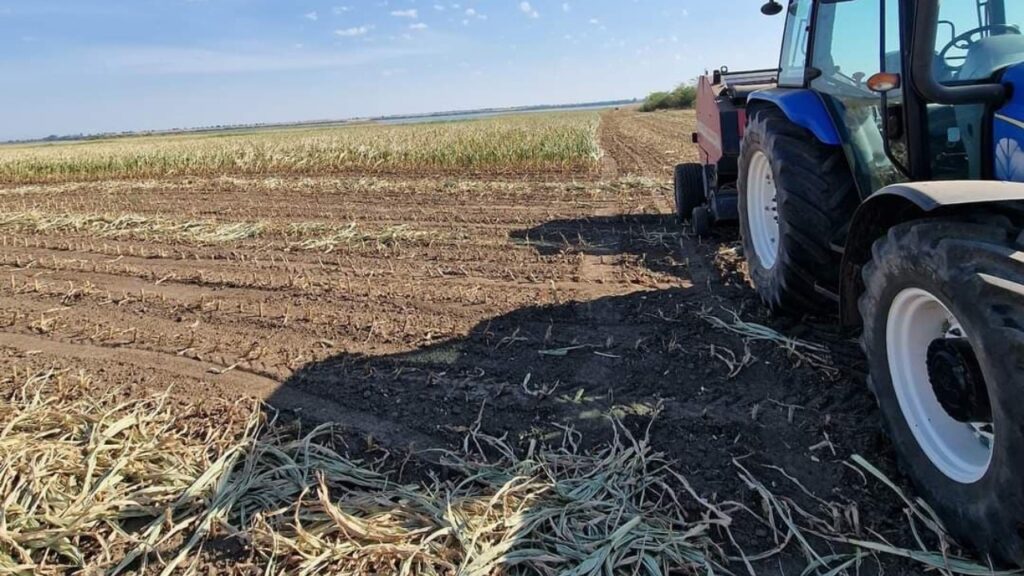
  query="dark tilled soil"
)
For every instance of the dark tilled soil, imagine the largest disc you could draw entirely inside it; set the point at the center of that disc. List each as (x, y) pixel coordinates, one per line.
(541, 306)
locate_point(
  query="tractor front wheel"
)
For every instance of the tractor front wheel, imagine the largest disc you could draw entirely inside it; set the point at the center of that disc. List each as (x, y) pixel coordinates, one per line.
(943, 318)
(795, 196)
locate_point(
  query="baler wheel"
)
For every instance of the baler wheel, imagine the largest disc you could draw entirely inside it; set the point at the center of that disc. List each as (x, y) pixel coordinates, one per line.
(701, 221)
(690, 191)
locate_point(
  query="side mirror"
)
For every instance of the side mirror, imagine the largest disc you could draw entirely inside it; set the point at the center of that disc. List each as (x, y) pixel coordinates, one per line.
(771, 8)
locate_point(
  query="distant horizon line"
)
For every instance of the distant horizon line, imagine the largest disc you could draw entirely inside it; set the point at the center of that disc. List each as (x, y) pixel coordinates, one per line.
(319, 122)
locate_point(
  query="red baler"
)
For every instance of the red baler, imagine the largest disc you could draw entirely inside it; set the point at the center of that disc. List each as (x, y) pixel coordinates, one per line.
(706, 191)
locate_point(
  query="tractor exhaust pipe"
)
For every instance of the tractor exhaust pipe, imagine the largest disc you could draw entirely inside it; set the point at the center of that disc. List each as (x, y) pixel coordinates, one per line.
(926, 26)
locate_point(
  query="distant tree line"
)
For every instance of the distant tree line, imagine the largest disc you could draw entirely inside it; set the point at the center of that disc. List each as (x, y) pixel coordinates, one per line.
(683, 97)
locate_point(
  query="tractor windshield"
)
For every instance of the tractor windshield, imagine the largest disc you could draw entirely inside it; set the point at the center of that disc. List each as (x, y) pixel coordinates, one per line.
(978, 38)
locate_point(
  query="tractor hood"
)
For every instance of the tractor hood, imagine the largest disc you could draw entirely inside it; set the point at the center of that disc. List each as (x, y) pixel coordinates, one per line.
(988, 57)
(1008, 131)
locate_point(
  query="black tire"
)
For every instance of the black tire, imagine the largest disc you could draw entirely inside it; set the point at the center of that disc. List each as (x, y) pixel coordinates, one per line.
(701, 221)
(689, 188)
(816, 199)
(974, 269)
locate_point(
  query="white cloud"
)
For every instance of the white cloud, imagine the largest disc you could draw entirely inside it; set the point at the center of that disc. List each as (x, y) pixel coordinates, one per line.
(418, 26)
(472, 14)
(312, 16)
(527, 9)
(410, 13)
(566, 7)
(354, 31)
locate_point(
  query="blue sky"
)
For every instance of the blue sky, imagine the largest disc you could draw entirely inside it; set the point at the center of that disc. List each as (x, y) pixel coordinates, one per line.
(74, 66)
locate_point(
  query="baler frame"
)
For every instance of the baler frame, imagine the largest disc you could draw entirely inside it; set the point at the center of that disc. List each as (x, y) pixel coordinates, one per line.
(722, 97)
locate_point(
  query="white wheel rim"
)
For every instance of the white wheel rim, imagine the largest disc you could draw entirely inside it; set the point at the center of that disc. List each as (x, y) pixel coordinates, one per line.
(963, 452)
(762, 210)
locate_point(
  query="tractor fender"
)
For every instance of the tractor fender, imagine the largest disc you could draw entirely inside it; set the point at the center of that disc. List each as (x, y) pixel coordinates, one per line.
(803, 107)
(901, 203)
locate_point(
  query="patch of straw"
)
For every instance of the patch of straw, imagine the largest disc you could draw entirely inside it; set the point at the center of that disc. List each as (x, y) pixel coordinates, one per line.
(810, 353)
(309, 510)
(96, 483)
(838, 544)
(330, 237)
(132, 226)
(316, 236)
(77, 469)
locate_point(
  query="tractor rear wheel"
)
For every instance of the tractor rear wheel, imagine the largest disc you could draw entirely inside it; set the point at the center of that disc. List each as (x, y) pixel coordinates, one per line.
(795, 196)
(943, 318)
(689, 189)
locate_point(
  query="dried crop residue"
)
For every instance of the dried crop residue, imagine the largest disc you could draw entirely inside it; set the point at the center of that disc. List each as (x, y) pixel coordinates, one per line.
(553, 145)
(509, 308)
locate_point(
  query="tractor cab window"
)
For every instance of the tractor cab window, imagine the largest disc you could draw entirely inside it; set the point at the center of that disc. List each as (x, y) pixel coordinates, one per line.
(976, 40)
(843, 61)
(793, 68)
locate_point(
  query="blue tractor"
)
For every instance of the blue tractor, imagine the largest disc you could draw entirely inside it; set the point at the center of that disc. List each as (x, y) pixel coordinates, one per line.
(883, 174)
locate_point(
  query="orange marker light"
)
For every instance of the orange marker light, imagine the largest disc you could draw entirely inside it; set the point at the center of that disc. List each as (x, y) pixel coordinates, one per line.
(884, 82)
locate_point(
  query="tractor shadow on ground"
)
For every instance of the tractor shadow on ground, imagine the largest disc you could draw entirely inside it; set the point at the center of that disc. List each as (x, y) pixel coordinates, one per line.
(573, 363)
(531, 373)
(647, 358)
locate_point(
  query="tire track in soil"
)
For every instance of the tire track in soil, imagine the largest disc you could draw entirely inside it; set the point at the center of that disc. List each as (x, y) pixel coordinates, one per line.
(626, 137)
(647, 145)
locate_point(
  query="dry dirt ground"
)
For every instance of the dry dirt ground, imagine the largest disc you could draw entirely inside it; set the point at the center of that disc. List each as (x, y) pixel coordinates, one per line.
(520, 306)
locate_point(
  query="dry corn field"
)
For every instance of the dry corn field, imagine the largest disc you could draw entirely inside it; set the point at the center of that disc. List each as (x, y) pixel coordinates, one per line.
(477, 348)
(562, 143)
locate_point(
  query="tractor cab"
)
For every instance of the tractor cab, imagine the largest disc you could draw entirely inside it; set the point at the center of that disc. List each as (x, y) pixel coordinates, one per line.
(891, 131)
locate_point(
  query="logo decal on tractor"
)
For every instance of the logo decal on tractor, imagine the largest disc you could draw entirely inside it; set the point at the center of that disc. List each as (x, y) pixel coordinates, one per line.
(1010, 160)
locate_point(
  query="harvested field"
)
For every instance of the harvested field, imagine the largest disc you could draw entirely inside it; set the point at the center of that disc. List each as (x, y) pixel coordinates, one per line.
(518, 375)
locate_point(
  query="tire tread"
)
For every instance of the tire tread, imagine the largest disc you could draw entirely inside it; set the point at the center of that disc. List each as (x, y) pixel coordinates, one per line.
(817, 198)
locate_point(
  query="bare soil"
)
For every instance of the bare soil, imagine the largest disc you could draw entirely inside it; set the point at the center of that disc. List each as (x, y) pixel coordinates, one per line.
(532, 306)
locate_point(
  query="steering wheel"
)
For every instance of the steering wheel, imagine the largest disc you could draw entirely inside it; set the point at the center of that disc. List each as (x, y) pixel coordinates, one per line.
(966, 40)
